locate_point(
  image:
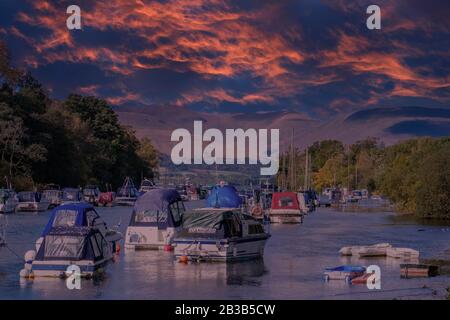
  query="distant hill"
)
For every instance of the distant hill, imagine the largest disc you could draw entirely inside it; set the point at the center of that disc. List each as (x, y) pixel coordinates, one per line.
(389, 124)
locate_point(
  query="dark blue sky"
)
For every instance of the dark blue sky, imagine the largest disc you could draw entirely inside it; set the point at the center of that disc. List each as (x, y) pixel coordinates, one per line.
(310, 56)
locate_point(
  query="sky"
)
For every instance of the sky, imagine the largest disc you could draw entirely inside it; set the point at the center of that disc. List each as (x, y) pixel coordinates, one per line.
(315, 57)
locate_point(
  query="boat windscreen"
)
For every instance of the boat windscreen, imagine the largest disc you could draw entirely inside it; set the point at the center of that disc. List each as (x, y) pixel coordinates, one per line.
(57, 246)
(152, 216)
(65, 218)
(28, 197)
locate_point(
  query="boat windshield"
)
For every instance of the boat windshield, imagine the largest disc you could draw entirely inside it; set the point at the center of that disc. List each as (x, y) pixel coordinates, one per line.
(65, 218)
(57, 246)
(286, 202)
(151, 216)
(28, 197)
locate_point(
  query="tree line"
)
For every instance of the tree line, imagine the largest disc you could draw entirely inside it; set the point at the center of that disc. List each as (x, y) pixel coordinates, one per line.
(414, 174)
(73, 142)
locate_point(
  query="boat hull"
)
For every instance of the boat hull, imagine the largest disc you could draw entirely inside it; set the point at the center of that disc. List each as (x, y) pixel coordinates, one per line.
(224, 250)
(32, 206)
(148, 238)
(58, 268)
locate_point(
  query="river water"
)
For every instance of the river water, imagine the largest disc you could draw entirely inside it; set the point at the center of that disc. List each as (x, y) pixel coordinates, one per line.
(292, 268)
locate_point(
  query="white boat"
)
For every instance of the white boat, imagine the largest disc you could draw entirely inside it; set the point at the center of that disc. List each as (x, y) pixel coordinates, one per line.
(75, 235)
(8, 201)
(32, 201)
(375, 250)
(127, 194)
(285, 208)
(147, 185)
(155, 220)
(402, 253)
(219, 234)
(54, 196)
(91, 194)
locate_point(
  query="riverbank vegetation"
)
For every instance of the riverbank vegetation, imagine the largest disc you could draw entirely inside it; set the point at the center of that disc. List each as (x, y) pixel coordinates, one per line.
(414, 174)
(73, 142)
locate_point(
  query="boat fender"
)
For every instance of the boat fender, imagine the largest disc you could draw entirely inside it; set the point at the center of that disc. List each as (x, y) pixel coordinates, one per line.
(183, 259)
(24, 273)
(117, 247)
(30, 255)
(168, 247)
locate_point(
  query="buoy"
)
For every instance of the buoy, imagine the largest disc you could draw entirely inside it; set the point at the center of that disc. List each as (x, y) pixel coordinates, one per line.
(117, 247)
(168, 247)
(183, 259)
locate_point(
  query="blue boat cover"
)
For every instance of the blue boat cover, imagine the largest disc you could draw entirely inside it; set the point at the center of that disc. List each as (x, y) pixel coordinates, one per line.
(223, 197)
(158, 207)
(70, 215)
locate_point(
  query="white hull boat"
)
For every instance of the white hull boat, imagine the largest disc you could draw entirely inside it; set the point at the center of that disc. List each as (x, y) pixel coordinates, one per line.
(155, 220)
(33, 206)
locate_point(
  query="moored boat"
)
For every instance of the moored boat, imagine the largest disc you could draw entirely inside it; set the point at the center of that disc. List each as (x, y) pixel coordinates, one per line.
(91, 194)
(8, 201)
(31, 201)
(219, 234)
(155, 220)
(74, 234)
(71, 195)
(285, 208)
(346, 273)
(146, 185)
(53, 195)
(127, 194)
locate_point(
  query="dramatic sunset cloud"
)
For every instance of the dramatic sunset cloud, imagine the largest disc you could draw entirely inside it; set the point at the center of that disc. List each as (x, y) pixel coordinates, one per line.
(310, 56)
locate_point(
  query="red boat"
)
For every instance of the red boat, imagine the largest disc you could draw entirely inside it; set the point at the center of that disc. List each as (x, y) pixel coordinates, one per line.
(106, 199)
(285, 208)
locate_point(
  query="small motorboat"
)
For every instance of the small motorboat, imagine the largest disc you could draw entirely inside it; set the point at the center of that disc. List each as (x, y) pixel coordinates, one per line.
(285, 208)
(146, 185)
(71, 195)
(155, 220)
(53, 195)
(376, 250)
(402, 253)
(418, 270)
(91, 194)
(346, 273)
(32, 201)
(219, 234)
(127, 194)
(62, 247)
(8, 201)
(74, 234)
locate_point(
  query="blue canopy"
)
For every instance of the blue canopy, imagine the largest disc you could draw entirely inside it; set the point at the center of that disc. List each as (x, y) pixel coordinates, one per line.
(71, 215)
(158, 207)
(223, 197)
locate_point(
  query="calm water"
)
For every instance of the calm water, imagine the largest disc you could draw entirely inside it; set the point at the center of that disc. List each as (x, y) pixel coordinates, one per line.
(291, 269)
